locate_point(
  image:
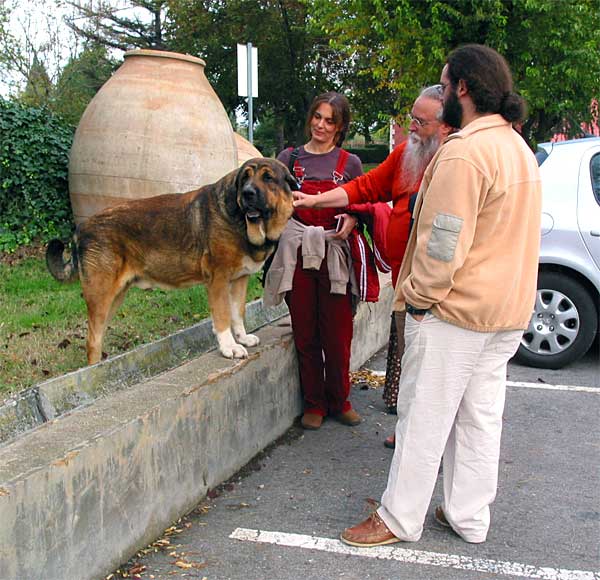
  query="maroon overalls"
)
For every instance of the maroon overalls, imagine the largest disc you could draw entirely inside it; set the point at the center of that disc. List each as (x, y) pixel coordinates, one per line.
(321, 321)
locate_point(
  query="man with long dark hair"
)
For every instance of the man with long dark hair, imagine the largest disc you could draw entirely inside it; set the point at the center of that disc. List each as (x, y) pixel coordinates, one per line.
(468, 284)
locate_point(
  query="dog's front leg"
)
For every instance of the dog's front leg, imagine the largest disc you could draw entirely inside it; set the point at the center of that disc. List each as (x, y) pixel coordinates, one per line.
(239, 289)
(220, 308)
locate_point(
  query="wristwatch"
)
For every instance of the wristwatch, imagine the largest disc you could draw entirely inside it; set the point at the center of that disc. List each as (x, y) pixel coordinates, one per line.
(412, 310)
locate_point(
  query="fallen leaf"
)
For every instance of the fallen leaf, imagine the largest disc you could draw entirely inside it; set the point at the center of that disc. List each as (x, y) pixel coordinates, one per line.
(182, 564)
(137, 569)
(64, 343)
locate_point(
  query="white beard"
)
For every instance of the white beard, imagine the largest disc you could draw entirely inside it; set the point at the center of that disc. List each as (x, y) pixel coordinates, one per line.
(417, 155)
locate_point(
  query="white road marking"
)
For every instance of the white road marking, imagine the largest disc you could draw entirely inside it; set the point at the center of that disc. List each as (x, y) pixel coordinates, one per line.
(545, 386)
(408, 556)
(554, 387)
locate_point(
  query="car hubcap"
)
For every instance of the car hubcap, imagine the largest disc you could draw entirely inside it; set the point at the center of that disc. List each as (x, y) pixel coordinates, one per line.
(554, 325)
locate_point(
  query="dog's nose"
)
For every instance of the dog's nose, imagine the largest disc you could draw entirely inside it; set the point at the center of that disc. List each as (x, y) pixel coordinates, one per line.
(249, 193)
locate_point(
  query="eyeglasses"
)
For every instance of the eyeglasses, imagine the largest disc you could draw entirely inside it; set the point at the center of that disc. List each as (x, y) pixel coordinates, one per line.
(418, 121)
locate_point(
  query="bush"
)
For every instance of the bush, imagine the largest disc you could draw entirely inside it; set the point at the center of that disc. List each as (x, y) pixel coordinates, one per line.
(34, 156)
(371, 153)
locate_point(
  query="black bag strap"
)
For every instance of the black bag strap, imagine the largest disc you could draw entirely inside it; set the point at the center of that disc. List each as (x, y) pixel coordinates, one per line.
(293, 156)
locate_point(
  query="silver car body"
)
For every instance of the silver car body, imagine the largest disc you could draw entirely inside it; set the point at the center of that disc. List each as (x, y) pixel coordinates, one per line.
(571, 230)
(566, 314)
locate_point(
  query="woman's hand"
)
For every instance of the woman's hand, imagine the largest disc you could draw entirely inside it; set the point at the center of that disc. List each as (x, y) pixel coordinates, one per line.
(304, 199)
(348, 223)
(333, 198)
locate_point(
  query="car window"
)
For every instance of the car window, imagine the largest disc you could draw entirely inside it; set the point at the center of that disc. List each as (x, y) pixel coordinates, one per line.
(595, 173)
(541, 155)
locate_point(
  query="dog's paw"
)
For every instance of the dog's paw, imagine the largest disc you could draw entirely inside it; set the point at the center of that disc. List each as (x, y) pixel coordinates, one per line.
(234, 351)
(248, 339)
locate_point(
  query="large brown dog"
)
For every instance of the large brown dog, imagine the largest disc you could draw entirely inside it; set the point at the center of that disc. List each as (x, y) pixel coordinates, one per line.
(217, 235)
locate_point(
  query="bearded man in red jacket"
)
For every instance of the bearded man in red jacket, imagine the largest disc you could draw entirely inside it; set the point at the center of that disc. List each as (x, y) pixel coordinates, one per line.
(398, 179)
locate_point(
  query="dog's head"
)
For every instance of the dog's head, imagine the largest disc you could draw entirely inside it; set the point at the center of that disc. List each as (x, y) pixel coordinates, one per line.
(264, 196)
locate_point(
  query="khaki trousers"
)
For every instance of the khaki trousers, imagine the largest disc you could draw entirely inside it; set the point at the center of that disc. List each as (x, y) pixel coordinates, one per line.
(450, 405)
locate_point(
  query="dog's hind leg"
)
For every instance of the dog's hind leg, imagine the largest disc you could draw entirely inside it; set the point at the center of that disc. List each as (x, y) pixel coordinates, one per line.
(102, 303)
(238, 291)
(220, 307)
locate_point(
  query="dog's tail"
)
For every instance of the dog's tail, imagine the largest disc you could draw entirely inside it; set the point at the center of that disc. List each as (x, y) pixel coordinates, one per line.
(61, 270)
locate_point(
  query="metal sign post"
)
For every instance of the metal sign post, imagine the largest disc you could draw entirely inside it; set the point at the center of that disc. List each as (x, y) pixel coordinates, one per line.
(248, 79)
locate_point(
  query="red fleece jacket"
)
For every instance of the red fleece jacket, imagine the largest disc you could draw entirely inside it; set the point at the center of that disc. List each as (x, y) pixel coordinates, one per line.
(387, 183)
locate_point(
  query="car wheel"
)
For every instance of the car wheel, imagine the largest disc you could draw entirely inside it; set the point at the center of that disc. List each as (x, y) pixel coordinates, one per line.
(563, 325)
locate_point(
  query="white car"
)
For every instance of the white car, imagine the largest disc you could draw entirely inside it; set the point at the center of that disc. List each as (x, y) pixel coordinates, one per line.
(565, 319)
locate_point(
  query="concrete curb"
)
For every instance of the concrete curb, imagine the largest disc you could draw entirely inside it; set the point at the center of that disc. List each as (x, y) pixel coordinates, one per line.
(115, 473)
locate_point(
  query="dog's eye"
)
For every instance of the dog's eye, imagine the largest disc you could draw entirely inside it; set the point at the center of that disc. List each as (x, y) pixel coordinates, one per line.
(267, 177)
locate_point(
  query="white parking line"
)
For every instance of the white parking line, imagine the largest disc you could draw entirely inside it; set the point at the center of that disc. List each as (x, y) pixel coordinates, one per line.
(412, 556)
(546, 386)
(554, 387)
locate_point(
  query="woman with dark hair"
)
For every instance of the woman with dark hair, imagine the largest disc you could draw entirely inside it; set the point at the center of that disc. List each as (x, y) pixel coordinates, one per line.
(312, 265)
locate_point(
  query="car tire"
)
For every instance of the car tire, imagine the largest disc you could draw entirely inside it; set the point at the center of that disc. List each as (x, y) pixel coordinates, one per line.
(563, 325)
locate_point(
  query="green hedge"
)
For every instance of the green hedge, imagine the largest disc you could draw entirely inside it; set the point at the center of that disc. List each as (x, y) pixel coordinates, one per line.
(34, 155)
(371, 153)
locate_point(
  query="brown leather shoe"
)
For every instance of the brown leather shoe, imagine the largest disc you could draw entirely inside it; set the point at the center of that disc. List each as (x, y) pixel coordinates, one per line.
(390, 442)
(311, 421)
(350, 418)
(371, 532)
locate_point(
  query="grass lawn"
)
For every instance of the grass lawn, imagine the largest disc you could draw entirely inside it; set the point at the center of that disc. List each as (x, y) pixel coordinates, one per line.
(43, 323)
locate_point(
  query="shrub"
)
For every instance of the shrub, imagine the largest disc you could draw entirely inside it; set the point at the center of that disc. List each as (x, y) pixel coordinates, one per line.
(34, 155)
(371, 153)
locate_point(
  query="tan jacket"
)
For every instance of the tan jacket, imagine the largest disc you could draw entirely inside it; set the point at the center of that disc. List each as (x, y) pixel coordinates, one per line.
(472, 256)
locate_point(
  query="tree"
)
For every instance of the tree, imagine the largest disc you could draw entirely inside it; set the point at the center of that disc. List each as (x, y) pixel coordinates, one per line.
(553, 48)
(139, 24)
(80, 80)
(295, 60)
(39, 87)
(32, 48)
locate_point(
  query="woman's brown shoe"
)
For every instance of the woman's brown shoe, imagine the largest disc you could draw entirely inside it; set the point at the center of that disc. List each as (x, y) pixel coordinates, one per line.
(371, 532)
(311, 421)
(350, 418)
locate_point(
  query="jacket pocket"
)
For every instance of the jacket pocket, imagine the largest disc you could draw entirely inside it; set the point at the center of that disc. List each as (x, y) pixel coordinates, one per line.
(444, 237)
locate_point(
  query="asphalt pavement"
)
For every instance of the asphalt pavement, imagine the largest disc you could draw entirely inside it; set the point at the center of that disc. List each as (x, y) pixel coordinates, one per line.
(281, 516)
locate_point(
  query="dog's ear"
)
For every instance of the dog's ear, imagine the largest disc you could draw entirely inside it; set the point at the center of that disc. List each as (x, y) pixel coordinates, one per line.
(291, 181)
(233, 187)
(242, 174)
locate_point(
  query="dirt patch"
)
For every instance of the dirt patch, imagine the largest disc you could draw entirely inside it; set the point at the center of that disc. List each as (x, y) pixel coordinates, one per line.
(22, 253)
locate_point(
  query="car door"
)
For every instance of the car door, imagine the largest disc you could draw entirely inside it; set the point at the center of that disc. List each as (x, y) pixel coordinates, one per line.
(588, 202)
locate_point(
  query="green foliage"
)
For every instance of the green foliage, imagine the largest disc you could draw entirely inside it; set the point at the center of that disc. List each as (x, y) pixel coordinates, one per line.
(39, 86)
(80, 80)
(295, 61)
(371, 153)
(266, 136)
(552, 47)
(34, 200)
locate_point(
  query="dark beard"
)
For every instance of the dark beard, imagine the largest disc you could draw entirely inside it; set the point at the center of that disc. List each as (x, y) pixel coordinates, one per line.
(453, 111)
